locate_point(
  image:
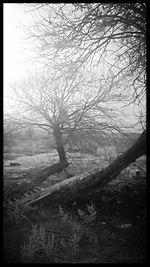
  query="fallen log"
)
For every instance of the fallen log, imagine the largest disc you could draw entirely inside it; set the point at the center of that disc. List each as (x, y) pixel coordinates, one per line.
(36, 178)
(82, 185)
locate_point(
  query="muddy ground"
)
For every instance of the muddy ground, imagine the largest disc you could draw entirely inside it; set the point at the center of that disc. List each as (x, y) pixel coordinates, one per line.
(117, 234)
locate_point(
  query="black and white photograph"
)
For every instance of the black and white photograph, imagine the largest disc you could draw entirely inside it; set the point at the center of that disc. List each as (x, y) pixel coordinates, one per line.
(74, 132)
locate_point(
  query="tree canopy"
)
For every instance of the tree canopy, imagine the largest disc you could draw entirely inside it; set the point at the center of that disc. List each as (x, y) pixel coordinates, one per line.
(112, 35)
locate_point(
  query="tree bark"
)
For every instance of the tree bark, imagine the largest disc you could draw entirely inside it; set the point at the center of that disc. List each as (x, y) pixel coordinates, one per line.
(82, 185)
(59, 145)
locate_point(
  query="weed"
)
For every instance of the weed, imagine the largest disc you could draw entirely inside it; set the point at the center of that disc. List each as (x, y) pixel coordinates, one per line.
(16, 211)
(80, 230)
(76, 236)
(40, 246)
(92, 212)
(76, 231)
(90, 216)
(65, 217)
(82, 214)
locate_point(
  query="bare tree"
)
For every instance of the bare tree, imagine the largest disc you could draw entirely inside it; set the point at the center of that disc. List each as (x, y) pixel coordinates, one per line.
(112, 35)
(100, 37)
(63, 106)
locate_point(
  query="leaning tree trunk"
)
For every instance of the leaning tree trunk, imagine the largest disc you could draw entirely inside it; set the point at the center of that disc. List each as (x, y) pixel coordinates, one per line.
(82, 185)
(36, 179)
(59, 145)
(38, 176)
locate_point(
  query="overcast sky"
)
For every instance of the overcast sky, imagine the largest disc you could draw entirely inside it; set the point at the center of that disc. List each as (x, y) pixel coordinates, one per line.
(16, 63)
(16, 48)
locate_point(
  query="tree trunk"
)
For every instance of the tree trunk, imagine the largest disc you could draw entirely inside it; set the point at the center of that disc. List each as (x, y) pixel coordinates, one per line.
(82, 185)
(59, 145)
(37, 177)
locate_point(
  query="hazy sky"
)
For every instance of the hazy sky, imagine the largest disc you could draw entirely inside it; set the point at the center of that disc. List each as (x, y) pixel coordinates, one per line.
(16, 63)
(14, 48)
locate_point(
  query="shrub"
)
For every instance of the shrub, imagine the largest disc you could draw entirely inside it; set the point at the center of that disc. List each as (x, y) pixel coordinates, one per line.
(90, 216)
(65, 217)
(82, 229)
(40, 247)
(49, 248)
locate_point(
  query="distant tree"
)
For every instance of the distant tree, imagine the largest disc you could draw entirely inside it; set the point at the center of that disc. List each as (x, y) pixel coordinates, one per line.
(9, 138)
(27, 133)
